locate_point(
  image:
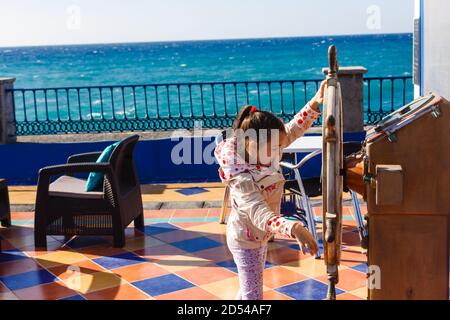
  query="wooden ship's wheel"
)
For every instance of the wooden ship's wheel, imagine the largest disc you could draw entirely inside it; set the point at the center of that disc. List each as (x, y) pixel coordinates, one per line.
(332, 168)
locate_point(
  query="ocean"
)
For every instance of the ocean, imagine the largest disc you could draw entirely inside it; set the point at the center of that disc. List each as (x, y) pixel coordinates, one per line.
(218, 60)
(191, 62)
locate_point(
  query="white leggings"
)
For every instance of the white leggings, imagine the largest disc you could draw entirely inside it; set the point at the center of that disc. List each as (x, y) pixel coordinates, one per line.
(250, 264)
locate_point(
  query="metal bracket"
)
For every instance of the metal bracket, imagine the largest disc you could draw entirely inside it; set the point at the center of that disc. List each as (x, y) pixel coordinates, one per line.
(435, 112)
(368, 178)
(392, 137)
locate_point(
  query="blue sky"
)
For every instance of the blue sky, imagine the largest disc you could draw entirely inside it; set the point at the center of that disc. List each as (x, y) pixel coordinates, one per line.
(45, 22)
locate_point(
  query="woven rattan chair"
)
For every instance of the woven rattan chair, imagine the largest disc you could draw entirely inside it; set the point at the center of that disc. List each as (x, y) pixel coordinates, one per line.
(63, 207)
(5, 212)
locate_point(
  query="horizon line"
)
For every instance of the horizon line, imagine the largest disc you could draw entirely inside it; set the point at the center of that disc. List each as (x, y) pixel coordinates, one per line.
(204, 40)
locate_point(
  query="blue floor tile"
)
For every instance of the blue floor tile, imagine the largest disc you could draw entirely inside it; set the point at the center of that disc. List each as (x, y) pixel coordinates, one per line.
(11, 255)
(230, 265)
(76, 297)
(296, 246)
(119, 260)
(162, 285)
(158, 228)
(28, 279)
(306, 290)
(86, 241)
(361, 267)
(197, 244)
(191, 191)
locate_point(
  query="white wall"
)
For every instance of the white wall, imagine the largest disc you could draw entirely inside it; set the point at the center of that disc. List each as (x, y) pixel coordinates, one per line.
(416, 16)
(436, 47)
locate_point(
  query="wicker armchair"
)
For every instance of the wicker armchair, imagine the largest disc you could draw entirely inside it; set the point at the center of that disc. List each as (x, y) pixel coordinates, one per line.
(63, 207)
(5, 211)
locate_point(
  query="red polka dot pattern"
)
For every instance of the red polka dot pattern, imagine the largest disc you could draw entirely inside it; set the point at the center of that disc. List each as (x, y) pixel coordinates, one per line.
(277, 224)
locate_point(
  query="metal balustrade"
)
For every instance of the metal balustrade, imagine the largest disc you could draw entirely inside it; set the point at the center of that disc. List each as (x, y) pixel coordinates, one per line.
(171, 106)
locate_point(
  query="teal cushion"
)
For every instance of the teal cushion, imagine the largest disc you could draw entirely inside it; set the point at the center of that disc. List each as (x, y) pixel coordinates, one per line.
(95, 179)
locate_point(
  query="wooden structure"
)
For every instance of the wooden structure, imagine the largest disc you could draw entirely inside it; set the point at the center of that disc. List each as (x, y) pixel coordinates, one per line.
(405, 179)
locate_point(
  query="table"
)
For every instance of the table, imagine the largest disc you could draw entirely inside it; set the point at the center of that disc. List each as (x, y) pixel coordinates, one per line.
(305, 144)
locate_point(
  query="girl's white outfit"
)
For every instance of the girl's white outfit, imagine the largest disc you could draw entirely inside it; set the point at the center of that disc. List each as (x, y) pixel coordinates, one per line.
(255, 199)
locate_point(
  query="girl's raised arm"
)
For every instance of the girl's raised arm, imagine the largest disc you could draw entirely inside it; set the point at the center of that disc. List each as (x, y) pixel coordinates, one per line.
(305, 118)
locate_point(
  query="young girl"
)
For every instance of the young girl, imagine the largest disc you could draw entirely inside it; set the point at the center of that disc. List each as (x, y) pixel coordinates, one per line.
(256, 189)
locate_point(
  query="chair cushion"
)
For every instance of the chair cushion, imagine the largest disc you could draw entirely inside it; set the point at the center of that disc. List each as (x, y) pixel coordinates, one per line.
(95, 179)
(66, 186)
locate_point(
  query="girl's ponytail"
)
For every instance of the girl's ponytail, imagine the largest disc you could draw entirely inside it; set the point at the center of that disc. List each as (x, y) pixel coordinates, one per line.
(243, 114)
(251, 118)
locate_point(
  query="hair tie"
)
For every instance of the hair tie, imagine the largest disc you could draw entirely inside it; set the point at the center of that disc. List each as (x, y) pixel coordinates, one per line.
(253, 109)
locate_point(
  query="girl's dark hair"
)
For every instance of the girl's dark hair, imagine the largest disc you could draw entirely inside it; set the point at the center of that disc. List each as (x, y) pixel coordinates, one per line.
(252, 118)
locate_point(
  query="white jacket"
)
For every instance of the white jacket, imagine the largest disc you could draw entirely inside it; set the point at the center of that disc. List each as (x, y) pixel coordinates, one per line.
(256, 191)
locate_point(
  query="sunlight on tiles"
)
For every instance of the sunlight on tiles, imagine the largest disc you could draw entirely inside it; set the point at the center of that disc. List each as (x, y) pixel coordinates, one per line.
(58, 258)
(183, 258)
(210, 228)
(180, 262)
(141, 243)
(93, 282)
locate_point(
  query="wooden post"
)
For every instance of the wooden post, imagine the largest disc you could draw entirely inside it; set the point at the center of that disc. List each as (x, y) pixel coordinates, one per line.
(352, 86)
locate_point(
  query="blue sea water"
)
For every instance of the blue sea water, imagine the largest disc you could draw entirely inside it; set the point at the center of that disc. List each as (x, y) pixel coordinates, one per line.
(219, 60)
(195, 61)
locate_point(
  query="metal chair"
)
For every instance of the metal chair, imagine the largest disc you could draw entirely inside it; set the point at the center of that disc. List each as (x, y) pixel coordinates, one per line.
(226, 195)
(302, 189)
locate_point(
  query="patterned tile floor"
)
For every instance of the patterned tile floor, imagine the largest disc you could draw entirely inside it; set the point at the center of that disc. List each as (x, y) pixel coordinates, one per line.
(181, 255)
(180, 192)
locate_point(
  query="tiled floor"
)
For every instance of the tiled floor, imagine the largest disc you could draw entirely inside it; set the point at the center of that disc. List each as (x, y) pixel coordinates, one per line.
(180, 192)
(162, 193)
(181, 255)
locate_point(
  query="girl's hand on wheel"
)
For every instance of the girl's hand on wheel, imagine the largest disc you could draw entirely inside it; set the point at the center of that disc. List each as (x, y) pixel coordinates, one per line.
(319, 97)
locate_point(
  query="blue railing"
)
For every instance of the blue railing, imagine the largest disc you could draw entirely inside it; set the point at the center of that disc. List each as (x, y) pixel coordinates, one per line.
(171, 106)
(383, 95)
